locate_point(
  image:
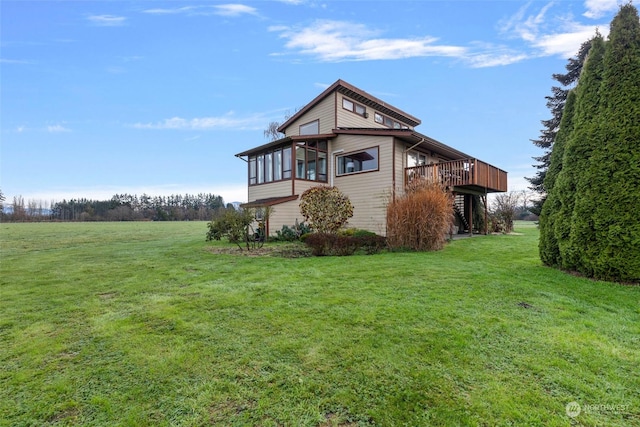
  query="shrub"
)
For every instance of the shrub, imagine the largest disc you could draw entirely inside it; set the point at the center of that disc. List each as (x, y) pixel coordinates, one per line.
(326, 244)
(291, 234)
(420, 219)
(326, 209)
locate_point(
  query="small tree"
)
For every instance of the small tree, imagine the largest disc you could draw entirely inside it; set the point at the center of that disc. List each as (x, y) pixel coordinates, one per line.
(236, 226)
(325, 208)
(504, 207)
(421, 219)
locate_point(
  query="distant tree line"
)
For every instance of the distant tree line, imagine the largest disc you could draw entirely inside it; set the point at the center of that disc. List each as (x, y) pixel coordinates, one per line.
(121, 207)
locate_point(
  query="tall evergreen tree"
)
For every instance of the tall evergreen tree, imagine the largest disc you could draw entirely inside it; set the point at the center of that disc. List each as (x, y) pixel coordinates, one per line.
(548, 245)
(579, 148)
(556, 104)
(606, 223)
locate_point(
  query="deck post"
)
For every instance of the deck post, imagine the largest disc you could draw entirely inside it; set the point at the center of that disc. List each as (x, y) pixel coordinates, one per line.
(470, 198)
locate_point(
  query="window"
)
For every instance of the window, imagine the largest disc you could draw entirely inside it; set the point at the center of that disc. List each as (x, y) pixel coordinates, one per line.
(312, 128)
(416, 159)
(300, 162)
(352, 106)
(268, 167)
(252, 170)
(286, 163)
(388, 122)
(361, 161)
(311, 160)
(308, 159)
(277, 165)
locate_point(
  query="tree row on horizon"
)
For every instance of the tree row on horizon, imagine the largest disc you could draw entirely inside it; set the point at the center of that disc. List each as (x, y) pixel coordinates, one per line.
(121, 207)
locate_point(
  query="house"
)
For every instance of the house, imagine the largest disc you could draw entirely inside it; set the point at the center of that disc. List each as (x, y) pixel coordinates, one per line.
(367, 148)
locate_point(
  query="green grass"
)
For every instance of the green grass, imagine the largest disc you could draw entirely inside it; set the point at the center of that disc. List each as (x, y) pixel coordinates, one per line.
(141, 324)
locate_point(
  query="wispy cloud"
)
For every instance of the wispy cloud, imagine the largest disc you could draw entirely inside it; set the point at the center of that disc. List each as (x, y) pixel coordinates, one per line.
(548, 34)
(227, 121)
(340, 41)
(232, 10)
(598, 8)
(15, 61)
(336, 41)
(235, 10)
(57, 129)
(107, 20)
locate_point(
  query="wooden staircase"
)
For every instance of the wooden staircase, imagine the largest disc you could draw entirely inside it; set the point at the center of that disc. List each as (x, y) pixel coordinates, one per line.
(458, 207)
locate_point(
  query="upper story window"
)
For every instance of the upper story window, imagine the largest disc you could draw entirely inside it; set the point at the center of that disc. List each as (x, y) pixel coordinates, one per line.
(388, 122)
(353, 107)
(359, 161)
(311, 128)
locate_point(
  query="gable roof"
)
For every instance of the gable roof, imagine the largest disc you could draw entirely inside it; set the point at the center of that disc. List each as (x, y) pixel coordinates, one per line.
(358, 95)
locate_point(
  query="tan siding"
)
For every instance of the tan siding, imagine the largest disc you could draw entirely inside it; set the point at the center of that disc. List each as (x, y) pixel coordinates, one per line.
(369, 192)
(274, 189)
(324, 111)
(400, 164)
(284, 214)
(349, 119)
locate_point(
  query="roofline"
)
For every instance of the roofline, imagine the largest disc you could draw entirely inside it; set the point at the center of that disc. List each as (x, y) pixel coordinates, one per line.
(410, 136)
(282, 141)
(354, 92)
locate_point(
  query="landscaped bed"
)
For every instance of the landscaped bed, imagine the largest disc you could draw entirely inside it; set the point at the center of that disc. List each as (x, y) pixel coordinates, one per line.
(148, 324)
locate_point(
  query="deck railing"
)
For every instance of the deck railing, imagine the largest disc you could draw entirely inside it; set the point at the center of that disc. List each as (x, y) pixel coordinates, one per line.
(459, 173)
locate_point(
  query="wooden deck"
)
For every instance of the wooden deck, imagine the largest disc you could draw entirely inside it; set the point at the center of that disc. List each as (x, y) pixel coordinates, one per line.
(470, 174)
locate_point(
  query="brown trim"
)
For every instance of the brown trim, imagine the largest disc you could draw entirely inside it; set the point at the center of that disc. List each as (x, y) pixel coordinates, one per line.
(358, 95)
(409, 136)
(271, 201)
(308, 123)
(358, 151)
(354, 103)
(284, 141)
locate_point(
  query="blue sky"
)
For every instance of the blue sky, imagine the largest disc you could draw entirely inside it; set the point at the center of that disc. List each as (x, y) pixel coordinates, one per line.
(106, 97)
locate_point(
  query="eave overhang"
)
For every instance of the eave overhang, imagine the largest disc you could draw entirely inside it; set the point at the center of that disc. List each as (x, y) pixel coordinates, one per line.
(285, 141)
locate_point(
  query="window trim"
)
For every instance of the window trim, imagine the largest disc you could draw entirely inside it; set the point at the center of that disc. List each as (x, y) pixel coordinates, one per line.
(354, 107)
(336, 169)
(290, 171)
(395, 124)
(316, 121)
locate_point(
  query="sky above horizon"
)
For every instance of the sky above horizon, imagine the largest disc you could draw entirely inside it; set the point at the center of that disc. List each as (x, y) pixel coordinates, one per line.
(108, 97)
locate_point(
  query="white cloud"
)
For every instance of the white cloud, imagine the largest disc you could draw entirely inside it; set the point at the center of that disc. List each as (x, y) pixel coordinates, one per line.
(222, 9)
(336, 41)
(598, 8)
(57, 129)
(568, 43)
(234, 10)
(339, 41)
(107, 20)
(227, 121)
(551, 35)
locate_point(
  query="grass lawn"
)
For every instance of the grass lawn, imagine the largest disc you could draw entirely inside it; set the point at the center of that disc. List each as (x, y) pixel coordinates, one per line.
(142, 324)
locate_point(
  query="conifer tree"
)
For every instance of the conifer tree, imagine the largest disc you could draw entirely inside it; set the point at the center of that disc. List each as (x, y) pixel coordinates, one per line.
(605, 233)
(548, 245)
(578, 149)
(556, 104)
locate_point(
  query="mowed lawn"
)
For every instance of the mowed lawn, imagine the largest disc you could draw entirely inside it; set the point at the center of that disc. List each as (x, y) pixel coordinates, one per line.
(142, 324)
